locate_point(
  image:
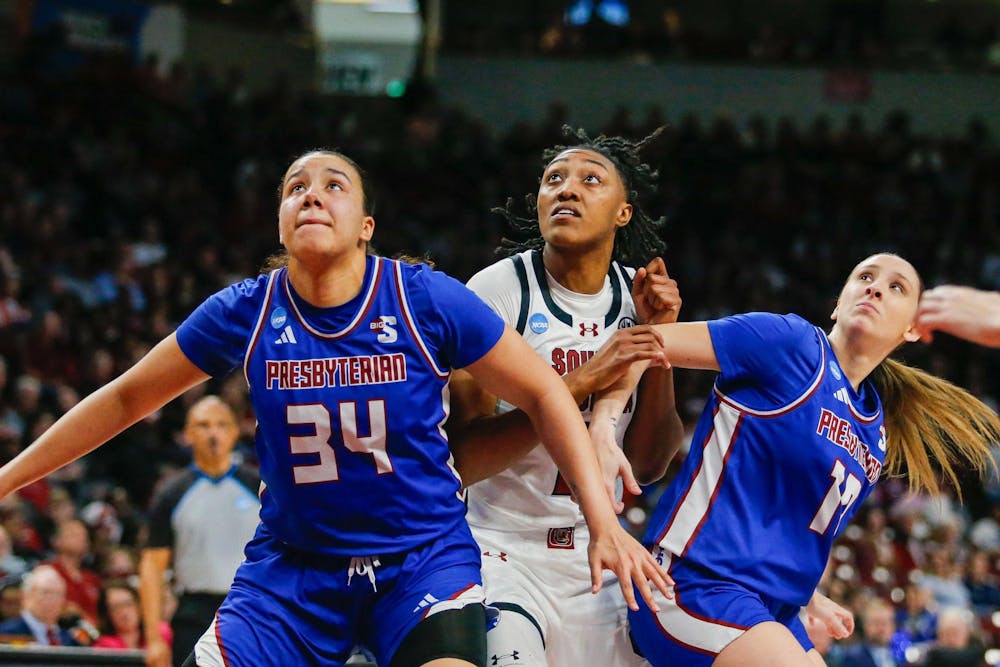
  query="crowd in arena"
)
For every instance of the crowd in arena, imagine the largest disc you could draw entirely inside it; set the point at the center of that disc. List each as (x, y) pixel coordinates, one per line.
(845, 33)
(118, 216)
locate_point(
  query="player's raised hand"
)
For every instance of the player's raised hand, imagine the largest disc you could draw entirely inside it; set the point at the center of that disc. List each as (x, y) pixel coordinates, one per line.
(965, 312)
(655, 294)
(619, 552)
(626, 346)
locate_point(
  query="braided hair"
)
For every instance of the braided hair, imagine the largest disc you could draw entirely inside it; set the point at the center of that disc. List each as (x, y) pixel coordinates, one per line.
(637, 242)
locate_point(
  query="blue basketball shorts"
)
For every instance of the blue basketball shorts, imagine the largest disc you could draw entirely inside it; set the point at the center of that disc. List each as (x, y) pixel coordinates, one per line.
(288, 607)
(705, 615)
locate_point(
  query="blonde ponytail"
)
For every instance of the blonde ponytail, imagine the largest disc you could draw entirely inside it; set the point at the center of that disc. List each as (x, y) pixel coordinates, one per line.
(927, 420)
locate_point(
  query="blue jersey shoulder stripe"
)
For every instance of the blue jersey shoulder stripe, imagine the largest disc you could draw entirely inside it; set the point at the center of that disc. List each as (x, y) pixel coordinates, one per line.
(255, 334)
(785, 409)
(411, 324)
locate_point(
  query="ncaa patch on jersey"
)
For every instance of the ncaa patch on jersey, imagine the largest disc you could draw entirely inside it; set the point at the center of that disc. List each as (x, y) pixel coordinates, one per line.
(834, 369)
(626, 322)
(278, 317)
(538, 323)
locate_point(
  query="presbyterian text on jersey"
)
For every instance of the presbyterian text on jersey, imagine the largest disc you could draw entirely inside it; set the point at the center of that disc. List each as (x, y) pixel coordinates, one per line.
(839, 432)
(335, 371)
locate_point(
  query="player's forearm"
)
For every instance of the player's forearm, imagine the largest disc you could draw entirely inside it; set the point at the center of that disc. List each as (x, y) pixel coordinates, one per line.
(89, 424)
(568, 442)
(610, 403)
(582, 382)
(490, 444)
(151, 597)
(160, 376)
(656, 430)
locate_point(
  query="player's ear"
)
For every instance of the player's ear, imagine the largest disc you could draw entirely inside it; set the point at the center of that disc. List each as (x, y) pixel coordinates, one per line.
(833, 315)
(624, 215)
(911, 335)
(367, 228)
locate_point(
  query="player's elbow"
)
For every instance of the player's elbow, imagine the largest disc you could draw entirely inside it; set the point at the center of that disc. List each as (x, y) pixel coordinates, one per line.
(649, 472)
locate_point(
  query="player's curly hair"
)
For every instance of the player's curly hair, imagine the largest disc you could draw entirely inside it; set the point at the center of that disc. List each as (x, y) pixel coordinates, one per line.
(637, 242)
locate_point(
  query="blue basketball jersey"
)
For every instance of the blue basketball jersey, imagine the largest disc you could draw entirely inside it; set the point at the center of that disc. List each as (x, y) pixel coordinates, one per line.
(350, 401)
(783, 455)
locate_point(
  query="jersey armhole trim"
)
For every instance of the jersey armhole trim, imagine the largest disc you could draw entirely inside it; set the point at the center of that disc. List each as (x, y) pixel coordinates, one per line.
(522, 279)
(543, 286)
(255, 334)
(615, 271)
(785, 409)
(411, 324)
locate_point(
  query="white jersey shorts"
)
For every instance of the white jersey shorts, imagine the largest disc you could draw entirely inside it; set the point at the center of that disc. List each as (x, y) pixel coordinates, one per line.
(546, 574)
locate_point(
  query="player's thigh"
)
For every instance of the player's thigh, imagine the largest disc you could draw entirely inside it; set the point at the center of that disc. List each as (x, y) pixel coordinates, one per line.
(516, 639)
(438, 598)
(593, 629)
(281, 609)
(704, 617)
(815, 658)
(452, 637)
(764, 645)
(521, 582)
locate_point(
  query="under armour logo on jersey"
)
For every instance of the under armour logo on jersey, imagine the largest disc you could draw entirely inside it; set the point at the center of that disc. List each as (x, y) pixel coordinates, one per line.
(426, 602)
(502, 555)
(287, 336)
(384, 324)
(842, 396)
(588, 329)
(508, 658)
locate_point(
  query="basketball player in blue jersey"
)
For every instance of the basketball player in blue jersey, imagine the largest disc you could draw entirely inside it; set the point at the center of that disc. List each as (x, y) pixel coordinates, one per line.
(800, 426)
(567, 290)
(363, 537)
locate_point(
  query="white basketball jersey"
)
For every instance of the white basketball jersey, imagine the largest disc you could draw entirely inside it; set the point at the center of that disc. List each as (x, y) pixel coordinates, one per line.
(566, 329)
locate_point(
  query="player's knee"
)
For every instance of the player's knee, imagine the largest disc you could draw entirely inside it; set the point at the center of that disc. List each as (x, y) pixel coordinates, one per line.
(456, 633)
(516, 640)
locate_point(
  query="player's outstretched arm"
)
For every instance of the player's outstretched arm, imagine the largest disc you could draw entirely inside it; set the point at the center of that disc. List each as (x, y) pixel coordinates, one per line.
(513, 371)
(656, 431)
(485, 443)
(162, 375)
(685, 344)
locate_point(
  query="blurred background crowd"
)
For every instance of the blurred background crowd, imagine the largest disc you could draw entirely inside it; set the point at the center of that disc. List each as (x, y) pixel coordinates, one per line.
(129, 194)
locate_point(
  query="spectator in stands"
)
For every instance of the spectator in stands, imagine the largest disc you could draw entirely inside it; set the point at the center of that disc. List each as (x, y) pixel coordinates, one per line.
(11, 597)
(916, 620)
(120, 618)
(71, 543)
(982, 584)
(43, 602)
(954, 646)
(11, 565)
(945, 580)
(199, 523)
(878, 625)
